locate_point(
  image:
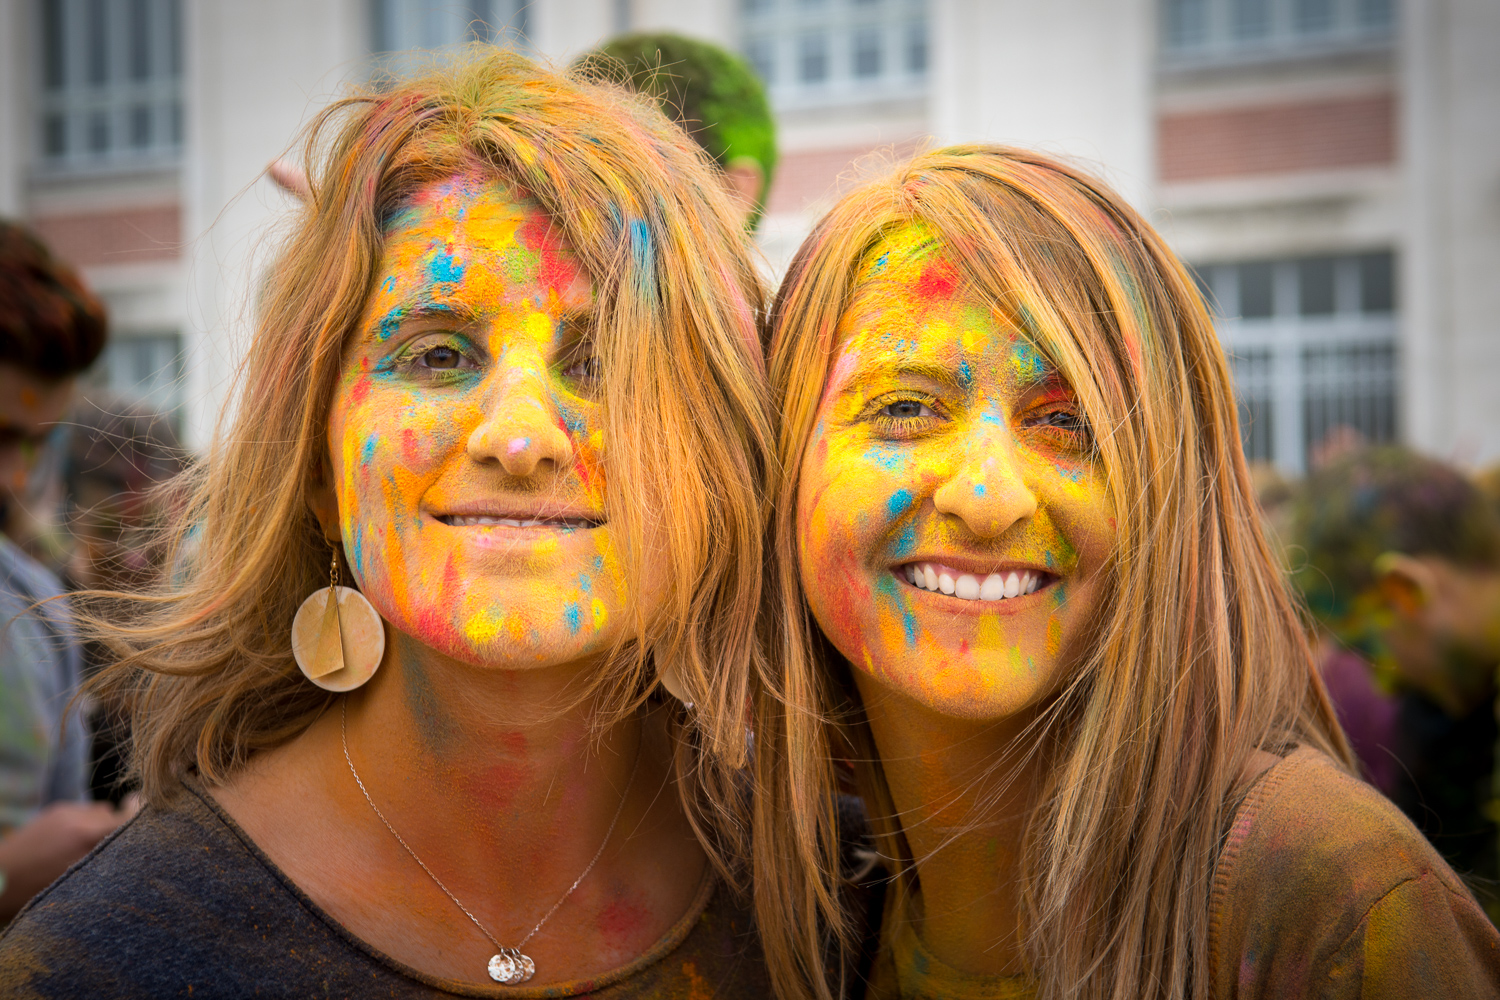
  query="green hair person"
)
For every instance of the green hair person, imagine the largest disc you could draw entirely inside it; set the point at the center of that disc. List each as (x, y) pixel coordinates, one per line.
(713, 94)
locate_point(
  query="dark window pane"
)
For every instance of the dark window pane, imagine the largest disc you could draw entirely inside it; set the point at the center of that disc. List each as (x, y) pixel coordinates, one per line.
(176, 123)
(1255, 290)
(1315, 286)
(1250, 18)
(383, 25)
(1377, 283)
(481, 19)
(1187, 23)
(1375, 13)
(1312, 16)
(813, 59)
(98, 133)
(1253, 371)
(1201, 279)
(140, 127)
(140, 40)
(755, 6)
(54, 45)
(98, 40)
(1349, 393)
(867, 52)
(916, 47)
(761, 54)
(174, 37)
(55, 135)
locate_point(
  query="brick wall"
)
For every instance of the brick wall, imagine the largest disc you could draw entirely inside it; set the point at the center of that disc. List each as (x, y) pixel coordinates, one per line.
(1280, 138)
(121, 237)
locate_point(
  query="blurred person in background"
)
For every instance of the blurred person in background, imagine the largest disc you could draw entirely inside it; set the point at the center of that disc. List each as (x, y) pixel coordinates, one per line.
(713, 94)
(1402, 567)
(118, 452)
(51, 329)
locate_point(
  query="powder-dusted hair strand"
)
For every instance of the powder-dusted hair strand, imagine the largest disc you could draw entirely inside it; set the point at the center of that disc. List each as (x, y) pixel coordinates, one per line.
(1195, 658)
(206, 666)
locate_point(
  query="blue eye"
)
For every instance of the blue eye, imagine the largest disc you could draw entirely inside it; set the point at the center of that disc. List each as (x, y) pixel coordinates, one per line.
(583, 368)
(906, 409)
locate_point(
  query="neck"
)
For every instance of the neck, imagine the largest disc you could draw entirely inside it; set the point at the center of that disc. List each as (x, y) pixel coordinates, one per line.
(963, 791)
(500, 770)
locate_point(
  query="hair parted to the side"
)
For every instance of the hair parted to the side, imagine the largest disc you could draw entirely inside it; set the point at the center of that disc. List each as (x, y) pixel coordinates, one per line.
(206, 666)
(1197, 657)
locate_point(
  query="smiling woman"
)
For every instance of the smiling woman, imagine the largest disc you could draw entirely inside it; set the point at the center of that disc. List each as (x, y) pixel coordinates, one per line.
(505, 403)
(1022, 587)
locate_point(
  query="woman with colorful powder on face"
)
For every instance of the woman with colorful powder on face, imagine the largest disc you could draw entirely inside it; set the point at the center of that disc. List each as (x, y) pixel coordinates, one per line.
(1024, 590)
(506, 382)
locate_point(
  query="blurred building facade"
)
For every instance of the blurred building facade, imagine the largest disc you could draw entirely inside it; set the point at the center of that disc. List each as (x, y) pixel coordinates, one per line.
(1331, 168)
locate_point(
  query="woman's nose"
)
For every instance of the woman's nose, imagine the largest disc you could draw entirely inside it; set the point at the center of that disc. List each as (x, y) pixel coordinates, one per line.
(988, 490)
(521, 428)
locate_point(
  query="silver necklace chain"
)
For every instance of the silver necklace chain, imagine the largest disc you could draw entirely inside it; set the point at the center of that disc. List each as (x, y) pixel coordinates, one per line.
(508, 966)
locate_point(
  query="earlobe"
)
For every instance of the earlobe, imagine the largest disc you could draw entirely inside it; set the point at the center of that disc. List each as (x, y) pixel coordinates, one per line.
(323, 502)
(1405, 583)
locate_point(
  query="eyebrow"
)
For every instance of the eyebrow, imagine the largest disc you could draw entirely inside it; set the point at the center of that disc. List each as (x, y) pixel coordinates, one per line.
(930, 371)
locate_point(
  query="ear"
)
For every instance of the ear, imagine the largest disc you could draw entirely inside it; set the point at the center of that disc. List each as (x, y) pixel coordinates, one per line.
(744, 177)
(324, 502)
(1406, 584)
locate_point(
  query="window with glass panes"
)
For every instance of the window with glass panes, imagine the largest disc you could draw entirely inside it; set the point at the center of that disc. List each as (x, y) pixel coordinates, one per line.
(1209, 30)
(110, 83)
(398, 25)
(812, 52)
(1312, 344)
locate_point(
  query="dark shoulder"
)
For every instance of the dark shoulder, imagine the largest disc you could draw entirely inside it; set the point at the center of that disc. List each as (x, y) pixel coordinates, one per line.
(172, 900)
(1311, 858)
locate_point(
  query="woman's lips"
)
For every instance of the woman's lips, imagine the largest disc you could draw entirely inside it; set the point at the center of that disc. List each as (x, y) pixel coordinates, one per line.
(1000, 586)
(514, 521)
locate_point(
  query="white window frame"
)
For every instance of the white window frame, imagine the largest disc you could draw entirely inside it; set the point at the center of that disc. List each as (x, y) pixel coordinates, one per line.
(778, 34)
(108, 92)
(1295, 365)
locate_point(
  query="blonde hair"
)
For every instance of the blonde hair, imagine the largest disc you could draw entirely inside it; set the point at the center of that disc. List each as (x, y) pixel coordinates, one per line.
(205, 666)
(1197, 656)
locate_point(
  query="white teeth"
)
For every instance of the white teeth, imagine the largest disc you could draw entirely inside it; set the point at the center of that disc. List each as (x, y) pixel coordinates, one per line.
(967, 586)
(486, 520)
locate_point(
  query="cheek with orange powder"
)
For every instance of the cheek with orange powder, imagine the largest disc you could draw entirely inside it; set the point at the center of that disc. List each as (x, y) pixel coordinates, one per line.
(420, 455)
(952, 524)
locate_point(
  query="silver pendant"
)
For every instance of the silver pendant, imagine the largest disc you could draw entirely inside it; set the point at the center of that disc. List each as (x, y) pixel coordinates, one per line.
(511, 968)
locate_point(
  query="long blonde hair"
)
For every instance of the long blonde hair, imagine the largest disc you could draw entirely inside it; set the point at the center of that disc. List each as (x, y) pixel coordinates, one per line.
(205, 665)
(1197, 656)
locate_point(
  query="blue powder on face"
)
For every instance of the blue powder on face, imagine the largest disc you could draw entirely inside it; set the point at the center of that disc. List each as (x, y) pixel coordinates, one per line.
(574, 618)
(965, 374)
(368, 452)
(1029, 364)
(391, 322)
(887, 458)
(445, 268)
(979, 489)
(906, 542)
(897, 504)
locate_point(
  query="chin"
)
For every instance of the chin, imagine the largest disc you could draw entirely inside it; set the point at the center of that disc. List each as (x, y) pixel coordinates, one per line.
(978, 686)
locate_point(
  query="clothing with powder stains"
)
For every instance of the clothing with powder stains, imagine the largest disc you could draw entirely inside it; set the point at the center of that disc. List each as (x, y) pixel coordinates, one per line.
(180, 901)
(43, 743)
(1324, 889)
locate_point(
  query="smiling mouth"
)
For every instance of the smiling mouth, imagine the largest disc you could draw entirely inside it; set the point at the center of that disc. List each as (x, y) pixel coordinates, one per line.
(940, 579)
(500, 520)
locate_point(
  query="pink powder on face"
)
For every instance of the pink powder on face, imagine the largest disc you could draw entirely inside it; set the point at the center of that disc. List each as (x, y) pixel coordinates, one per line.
(517, 445)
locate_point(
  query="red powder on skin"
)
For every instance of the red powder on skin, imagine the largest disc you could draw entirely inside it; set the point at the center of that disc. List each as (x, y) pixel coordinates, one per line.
(620, 922)
(360, 390)
(432, 618)
(409, 445)
(938, 281)
(556, 269)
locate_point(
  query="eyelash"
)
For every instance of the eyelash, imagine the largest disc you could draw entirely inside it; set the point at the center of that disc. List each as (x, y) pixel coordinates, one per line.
(892, 426)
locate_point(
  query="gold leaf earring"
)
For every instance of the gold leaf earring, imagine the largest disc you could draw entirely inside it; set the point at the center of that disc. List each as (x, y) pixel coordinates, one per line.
(337, 636)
